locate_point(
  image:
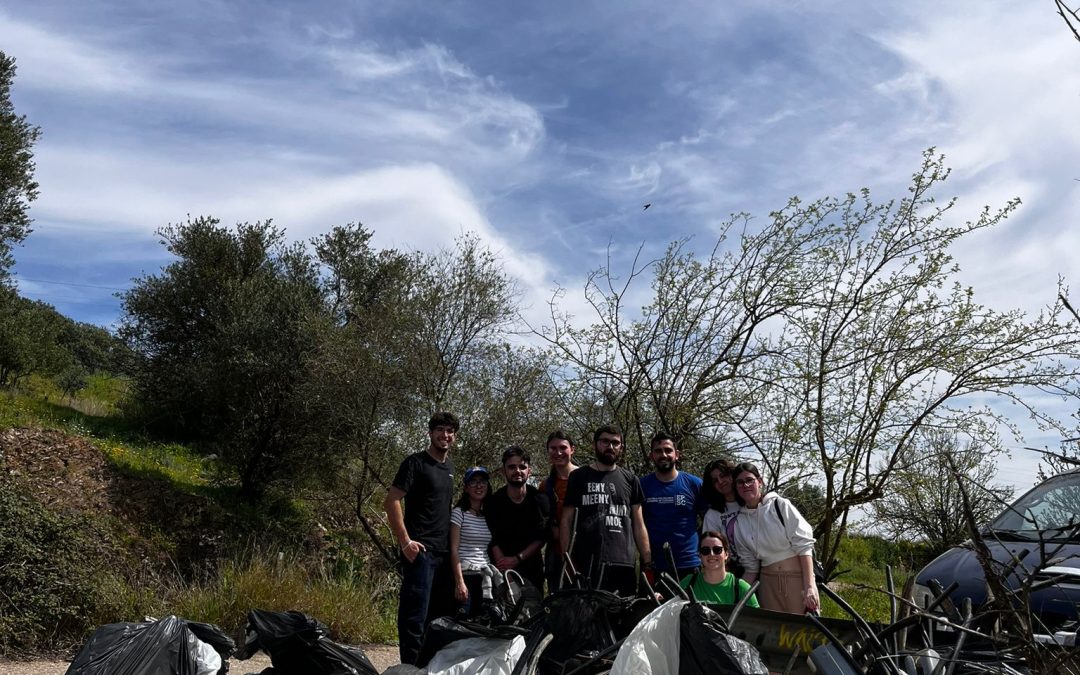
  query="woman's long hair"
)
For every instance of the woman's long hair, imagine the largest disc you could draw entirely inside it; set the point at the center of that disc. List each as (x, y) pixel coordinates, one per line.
(708, 492)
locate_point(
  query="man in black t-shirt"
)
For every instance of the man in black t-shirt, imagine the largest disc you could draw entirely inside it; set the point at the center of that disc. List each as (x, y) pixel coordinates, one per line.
(606, 500)
(517, 515)
(425, 483)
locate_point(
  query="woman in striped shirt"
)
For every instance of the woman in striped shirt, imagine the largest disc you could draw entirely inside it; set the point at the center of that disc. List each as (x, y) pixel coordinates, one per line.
(469, 542)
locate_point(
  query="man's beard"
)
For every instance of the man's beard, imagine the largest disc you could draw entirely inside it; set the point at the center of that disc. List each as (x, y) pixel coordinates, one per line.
(664, 465)
(516, 482)
(608, 457)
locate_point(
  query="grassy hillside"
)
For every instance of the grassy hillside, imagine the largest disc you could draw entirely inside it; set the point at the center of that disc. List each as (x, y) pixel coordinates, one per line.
(98, 524)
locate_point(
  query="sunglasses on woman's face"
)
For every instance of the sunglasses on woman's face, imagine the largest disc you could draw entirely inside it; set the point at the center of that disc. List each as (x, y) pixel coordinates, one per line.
(711, 550)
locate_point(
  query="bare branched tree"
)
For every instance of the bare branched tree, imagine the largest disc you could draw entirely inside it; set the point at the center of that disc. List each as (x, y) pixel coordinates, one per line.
(822, 344)
(1071, 17)
(672, 364)
(923, 498)
(890, 345)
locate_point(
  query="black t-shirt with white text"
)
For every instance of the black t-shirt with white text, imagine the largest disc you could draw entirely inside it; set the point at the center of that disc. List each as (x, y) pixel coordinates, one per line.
(603, 500)
(429, 490)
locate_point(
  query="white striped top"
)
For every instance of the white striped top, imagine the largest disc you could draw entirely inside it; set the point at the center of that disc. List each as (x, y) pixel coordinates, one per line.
(475, 538)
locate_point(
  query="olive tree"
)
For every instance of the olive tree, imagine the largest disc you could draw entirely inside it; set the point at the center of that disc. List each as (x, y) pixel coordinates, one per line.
(30, 338)
(409, 334)
(222, 336)
(17, 185)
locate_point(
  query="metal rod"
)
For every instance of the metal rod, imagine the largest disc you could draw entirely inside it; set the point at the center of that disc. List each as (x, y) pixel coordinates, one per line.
(869, 634)
(791, 660)
(742, 601)
(670, 555)
(960, 640)
(649, 587)
(674, 588)
(835, 642)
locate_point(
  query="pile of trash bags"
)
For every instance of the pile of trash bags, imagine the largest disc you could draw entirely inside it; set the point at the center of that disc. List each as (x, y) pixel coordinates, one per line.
(296, 643)
(590, 631)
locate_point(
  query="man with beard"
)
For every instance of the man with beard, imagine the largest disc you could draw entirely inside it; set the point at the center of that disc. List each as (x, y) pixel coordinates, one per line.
(517, 515)
(425, 483)
(670, 508)
(602, 515)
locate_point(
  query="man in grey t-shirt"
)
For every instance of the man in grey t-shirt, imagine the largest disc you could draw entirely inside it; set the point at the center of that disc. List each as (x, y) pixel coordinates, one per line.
(606, 500)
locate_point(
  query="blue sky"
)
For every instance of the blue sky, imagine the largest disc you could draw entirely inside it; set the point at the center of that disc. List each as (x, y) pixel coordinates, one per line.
(542, 127)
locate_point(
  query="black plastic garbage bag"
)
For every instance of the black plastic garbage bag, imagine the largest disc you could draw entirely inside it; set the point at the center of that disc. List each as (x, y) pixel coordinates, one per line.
(704, 649)
(165, 647)
(299, 645)
(216, 638)
(586, 621)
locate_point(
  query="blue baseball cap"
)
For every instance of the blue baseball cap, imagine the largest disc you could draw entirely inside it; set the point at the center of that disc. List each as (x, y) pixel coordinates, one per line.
(469, 473)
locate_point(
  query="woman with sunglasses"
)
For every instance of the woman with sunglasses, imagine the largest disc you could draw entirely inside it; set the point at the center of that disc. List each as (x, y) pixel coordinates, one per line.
(469, 541)
(776, 544)
(713, 583)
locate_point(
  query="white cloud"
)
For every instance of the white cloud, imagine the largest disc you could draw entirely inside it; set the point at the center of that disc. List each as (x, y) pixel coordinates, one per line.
(1011, 94)
(48, 60)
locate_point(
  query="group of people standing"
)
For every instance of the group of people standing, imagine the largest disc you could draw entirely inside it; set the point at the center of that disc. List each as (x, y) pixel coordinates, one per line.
(607, 519)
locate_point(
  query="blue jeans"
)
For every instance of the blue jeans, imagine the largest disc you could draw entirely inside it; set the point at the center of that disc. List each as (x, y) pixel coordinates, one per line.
(417, 604)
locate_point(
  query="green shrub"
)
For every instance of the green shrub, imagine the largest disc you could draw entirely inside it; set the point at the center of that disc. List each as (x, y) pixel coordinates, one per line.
(54, 571)
(862, 580)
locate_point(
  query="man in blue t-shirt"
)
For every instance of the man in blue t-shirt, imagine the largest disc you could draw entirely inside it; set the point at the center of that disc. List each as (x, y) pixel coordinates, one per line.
(670, 509)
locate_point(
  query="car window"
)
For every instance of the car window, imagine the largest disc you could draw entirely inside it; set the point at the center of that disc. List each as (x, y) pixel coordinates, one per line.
(1054, 504)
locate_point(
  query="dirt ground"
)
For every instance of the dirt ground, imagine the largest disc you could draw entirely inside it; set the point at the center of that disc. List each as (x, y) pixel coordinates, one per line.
(382, 657)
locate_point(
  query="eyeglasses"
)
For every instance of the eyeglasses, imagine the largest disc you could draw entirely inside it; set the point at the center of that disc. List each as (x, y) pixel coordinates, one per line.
(613, 442)
(477, 482)
(711, 550)
(746, 481)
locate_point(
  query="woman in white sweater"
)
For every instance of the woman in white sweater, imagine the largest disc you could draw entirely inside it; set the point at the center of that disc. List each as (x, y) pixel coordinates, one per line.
(776, 544)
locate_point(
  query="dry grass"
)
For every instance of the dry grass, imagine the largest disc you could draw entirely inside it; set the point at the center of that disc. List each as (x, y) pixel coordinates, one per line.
(355, 609)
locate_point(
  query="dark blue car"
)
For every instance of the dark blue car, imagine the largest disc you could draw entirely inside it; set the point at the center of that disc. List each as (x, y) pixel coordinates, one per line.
(1040, 529)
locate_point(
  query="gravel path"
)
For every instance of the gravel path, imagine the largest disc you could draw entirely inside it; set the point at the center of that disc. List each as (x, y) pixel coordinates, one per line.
(382, 657)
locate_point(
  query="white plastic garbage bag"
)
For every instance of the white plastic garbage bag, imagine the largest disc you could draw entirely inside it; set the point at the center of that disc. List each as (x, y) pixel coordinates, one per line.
(477, 656)
(652, 648)
(208, 661)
